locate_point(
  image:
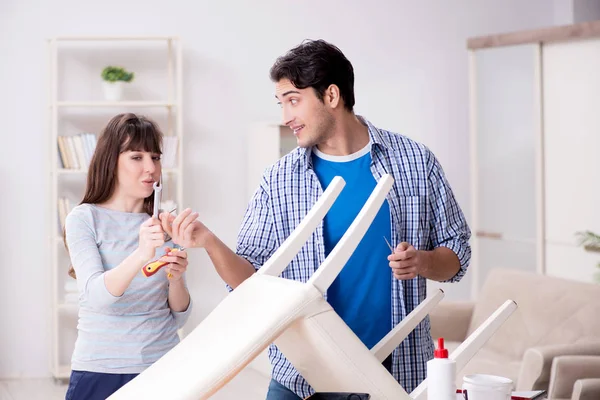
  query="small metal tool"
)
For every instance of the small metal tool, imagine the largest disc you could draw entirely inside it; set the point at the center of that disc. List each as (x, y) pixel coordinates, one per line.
(389, 245)
(157, 191)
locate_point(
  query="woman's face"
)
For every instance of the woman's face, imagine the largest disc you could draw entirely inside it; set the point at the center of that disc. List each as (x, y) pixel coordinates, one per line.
(136, 173)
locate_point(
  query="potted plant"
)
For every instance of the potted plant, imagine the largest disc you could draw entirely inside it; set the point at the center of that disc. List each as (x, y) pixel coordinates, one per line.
(590, 242)
(114, 78)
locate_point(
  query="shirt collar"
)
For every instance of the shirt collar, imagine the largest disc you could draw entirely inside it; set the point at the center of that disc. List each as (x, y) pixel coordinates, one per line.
(303, 158)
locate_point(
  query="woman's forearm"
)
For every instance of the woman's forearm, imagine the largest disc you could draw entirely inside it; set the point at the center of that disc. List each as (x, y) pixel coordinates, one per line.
(118, 279)
(179, 296)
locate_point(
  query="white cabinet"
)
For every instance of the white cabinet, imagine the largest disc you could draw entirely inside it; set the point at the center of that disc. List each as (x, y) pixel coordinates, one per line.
(505, 139)
(267, 143)
(535, 137)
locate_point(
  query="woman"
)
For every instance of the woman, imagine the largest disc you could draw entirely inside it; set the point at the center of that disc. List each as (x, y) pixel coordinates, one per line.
(126, 321)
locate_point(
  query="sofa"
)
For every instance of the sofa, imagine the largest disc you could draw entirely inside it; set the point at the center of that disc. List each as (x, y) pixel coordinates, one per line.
(551, 342)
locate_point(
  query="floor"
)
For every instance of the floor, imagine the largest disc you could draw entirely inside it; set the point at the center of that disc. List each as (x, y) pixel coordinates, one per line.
(248, 385)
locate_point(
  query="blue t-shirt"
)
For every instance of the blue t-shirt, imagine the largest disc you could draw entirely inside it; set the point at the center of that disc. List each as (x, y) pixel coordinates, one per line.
(361, 294)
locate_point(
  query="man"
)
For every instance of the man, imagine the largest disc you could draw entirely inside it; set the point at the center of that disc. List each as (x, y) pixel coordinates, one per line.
(314, 84)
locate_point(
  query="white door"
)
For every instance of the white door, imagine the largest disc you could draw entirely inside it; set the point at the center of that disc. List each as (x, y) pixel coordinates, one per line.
(506, 133)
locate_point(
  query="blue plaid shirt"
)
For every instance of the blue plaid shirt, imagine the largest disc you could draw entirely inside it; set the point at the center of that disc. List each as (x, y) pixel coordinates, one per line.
(423, 212)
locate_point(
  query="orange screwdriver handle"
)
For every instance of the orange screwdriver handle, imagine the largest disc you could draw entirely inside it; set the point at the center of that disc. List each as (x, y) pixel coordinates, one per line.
(153, 267)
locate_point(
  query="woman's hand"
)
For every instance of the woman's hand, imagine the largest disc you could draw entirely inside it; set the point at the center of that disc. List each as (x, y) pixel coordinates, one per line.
(178, 263)
(151, 238)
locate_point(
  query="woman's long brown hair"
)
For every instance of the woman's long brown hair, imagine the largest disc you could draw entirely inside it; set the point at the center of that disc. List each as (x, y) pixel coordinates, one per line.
(122, 133)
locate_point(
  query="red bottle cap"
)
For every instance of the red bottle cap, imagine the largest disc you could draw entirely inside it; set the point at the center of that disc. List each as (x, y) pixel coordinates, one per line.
(441, 352)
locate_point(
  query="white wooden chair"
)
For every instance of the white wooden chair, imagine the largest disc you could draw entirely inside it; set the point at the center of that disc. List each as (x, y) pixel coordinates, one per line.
(267, 309)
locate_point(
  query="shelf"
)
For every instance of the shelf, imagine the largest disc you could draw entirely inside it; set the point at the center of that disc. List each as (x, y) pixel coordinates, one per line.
(111, 38)
(65, 171)
(63, 372)
(98, 104)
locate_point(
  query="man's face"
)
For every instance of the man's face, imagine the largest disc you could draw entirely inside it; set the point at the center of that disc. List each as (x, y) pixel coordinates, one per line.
(308, 117)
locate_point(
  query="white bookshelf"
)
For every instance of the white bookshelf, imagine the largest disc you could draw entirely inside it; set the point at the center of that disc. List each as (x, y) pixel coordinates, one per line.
(93, 110)
(65, 171)
(113, 104)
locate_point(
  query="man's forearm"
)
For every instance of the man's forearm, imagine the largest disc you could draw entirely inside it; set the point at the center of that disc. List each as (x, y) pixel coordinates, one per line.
(232, 268)
(441, 264)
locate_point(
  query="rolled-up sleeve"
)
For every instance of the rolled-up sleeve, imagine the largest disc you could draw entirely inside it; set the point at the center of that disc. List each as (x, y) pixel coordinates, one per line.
(449, 227)
(86, 260)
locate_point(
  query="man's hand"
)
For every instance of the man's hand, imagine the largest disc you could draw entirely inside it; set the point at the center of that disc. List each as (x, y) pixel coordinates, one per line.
(184, 229)
(407, 262)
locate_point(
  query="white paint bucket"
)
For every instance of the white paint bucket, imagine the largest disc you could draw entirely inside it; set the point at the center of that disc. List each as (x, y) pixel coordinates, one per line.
(486, 387)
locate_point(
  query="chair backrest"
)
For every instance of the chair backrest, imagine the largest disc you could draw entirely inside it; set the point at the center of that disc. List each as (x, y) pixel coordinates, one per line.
(253, 315)
(339, 255)
(292, 245)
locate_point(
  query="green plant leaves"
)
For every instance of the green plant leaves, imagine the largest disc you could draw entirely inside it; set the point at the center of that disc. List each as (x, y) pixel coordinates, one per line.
(589, 240)
(114, 74)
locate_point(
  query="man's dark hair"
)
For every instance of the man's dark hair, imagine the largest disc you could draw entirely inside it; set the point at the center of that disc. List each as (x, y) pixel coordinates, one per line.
(317, 64)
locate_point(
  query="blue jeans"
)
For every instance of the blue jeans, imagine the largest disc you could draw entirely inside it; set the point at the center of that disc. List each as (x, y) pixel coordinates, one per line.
(279, 392)
(85, 385)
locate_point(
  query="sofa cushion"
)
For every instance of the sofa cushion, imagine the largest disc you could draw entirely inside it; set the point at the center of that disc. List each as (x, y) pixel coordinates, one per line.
(550, 311)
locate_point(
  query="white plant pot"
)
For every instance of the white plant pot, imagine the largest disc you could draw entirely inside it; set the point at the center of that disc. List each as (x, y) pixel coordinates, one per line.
(113, 91)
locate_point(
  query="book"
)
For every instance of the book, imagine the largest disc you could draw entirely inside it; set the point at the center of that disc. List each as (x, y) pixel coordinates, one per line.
(528, 395)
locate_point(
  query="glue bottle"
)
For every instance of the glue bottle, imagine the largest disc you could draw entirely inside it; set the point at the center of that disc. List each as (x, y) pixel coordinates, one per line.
(441, 375)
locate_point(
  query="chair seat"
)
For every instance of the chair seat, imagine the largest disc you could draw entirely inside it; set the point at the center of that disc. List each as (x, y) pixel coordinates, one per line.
(329, 355)
(266, 309)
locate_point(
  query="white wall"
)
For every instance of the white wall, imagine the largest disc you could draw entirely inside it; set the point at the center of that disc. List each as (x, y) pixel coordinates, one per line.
(411, 76)
(575, 11)
(586, 10)
(563, 12)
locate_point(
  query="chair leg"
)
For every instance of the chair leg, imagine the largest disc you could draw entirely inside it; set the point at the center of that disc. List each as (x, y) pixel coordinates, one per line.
(463, 353)
(393, 339)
